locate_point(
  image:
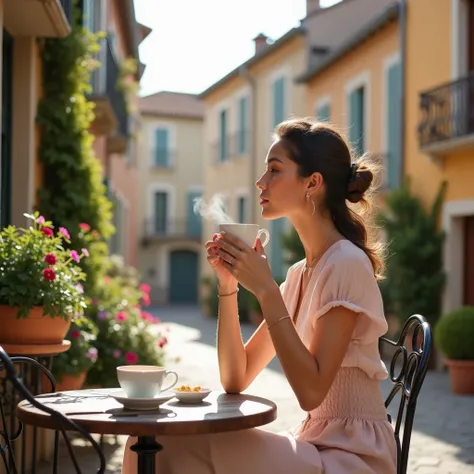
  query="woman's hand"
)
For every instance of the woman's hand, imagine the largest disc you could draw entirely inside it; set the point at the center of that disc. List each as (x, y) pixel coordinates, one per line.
(248, 265)
(226, 280)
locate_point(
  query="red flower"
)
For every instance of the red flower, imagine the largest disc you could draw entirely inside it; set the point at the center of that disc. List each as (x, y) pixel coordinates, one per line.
(50, 259)
(85, 227)
(145, 288)
(131, 358)
(48, 274)
(47, 231)
(121, 316)
(146, 299)
(163, 342)
(75, 334)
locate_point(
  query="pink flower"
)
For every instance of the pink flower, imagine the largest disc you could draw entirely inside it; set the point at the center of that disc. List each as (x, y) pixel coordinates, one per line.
(47, 231)
(85, 252)
(106, 280)
(117, 353)
(80, 288)
(146, 299)
(149, 317)
(48, 274)
(92, 353)
(64, 232)
(121, 316)
(50, 259)
(162, 343)
(85, 227)
(40, 220)
(75, 334)
(75, 256)
(131, 358)
(145, 288)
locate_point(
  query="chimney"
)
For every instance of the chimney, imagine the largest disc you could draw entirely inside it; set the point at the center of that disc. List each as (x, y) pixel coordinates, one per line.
(261, 42)
(312, 6)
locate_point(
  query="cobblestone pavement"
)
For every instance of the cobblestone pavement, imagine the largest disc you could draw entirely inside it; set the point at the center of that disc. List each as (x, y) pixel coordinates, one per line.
(443, 436)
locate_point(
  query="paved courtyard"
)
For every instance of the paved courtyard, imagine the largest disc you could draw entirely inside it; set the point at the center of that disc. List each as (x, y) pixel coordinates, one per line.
(443, 436)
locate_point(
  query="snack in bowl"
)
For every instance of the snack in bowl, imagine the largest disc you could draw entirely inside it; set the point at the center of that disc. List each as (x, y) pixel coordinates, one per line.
(191, 394)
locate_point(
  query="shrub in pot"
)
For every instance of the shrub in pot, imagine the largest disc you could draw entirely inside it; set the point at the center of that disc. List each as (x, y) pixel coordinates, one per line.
(454, 336)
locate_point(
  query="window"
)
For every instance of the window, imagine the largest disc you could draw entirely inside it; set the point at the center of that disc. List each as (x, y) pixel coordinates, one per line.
(243, 126)
(279, 112)
(393, 124)
(323, 112)
(223, 148)
(241, 209)
(161, 155)
(160, 215)
(194, 221)
(357, 118)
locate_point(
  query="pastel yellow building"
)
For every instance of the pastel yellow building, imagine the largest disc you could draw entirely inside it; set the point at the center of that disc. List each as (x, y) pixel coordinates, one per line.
(170, 176)
(439, 128)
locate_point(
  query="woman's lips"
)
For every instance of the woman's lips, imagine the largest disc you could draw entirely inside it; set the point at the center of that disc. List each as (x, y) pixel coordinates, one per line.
(263, 201)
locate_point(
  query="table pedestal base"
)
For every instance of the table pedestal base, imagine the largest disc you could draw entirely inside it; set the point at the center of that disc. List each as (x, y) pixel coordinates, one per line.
(146, 448)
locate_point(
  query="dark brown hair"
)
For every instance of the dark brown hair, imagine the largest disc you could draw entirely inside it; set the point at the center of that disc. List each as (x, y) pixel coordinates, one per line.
(317, 147)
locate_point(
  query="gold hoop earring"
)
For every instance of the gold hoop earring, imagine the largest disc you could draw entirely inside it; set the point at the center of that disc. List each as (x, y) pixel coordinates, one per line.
(312, 202)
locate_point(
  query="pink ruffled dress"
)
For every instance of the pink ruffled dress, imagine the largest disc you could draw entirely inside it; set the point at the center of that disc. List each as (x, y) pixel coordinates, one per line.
(349, 432)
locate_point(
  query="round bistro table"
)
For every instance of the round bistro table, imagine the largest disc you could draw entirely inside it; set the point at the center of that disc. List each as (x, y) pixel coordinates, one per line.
(99, 413)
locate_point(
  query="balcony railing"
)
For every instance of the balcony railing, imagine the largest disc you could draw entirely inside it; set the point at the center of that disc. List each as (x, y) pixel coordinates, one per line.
(236, 144)
(68, 7)
(162, 228)
(447, 112)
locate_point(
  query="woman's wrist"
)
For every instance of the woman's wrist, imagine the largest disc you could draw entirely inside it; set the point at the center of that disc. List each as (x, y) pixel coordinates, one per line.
(227, 288)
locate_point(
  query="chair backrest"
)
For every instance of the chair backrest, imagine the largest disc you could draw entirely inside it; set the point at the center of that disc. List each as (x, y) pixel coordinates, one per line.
(408, 368)
(14, 390)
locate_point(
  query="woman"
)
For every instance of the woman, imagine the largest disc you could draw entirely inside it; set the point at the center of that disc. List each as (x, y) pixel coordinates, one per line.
(323, 323)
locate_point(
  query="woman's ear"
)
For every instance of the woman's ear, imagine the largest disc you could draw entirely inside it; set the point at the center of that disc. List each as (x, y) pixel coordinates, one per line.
(315, 182)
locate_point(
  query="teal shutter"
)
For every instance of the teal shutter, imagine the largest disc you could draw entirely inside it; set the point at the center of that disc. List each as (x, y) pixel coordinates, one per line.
(277, 229)
(223, 151)
(243, 115)
(323, 113)
(162, 147)
(241, 204)
(161, 209)
(194, 222)
(393, 122)
(279, 101)
(88, 15)
(356, 116)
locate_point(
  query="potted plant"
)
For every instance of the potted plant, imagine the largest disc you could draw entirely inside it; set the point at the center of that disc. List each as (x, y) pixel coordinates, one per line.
(454, 336)
(40, 283)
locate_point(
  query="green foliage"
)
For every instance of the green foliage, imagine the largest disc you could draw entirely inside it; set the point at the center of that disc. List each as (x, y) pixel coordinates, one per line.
(127, 334)
(82, 354)
(292, 243)
(454, 334)
(37, 270)
(415, 276)
(73, 190)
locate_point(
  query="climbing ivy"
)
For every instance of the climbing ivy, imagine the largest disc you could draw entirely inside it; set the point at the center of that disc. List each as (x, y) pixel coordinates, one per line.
(73, 191)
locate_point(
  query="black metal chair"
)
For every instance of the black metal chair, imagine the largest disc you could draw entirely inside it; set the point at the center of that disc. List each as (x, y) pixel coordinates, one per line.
(14, 390)
(408, 368)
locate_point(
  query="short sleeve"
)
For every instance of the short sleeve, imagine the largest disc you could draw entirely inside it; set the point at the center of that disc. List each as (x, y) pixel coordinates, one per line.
(350, 282)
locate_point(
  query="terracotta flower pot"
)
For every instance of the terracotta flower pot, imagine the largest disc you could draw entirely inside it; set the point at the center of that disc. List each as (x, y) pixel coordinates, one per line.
(461, 373)
(67, 382)
(33, 330)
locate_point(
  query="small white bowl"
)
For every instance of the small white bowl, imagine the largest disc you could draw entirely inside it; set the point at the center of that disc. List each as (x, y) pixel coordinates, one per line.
(192, 397)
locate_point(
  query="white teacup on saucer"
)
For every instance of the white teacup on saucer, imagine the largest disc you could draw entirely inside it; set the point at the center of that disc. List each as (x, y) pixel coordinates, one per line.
(141, 403)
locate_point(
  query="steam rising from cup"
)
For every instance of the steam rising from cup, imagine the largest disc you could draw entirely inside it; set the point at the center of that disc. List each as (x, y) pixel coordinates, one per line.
(213, 210)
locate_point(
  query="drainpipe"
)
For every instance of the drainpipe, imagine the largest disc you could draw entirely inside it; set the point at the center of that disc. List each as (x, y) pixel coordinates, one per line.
(402, 44)
(243, 72)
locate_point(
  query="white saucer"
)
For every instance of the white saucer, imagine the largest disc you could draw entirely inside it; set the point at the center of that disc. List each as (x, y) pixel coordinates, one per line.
(141, 403)
(192, 397)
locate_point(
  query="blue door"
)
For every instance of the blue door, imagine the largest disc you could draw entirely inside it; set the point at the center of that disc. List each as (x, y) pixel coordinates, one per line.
(183, 282)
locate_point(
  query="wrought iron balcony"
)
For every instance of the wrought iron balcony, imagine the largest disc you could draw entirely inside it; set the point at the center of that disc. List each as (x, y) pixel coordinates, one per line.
(161, 229)
(447, 115)
(236, 144)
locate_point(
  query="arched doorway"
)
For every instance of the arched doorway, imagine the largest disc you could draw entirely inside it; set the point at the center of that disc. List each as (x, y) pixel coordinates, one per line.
(184, 274)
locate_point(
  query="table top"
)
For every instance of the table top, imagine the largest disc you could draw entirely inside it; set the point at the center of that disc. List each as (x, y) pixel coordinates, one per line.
(98, 413)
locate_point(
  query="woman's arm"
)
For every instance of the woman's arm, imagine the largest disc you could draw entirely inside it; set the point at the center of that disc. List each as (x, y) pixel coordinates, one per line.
(309, 372)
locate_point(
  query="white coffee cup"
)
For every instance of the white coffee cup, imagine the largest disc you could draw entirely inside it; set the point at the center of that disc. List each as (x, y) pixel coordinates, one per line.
(144, 381)
(246, 232)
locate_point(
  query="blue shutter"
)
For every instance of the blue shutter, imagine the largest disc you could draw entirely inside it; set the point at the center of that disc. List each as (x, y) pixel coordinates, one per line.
(223, 151)
(243, 114)
(277, 229)
(194, 221)
(356, 117)
(161, 147)
(323, 113)
(393, 122)
(278, 101)
(241, 209)
(161, 211)
(88, 15)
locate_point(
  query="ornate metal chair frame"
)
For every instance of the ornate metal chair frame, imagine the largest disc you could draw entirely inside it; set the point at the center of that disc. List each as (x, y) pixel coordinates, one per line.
(63, 423)
(408, 380)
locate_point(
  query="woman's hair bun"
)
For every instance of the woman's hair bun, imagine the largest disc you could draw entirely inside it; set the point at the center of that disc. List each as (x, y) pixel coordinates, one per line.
(359, 182)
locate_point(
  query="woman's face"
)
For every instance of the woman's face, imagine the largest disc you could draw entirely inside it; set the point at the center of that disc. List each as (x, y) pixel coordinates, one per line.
(282, 190)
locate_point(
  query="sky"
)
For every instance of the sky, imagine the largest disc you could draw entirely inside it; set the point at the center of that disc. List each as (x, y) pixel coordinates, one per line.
(195, 43)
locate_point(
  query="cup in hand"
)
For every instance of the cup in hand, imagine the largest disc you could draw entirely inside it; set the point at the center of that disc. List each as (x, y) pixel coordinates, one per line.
(246, 232)
(144, 381)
